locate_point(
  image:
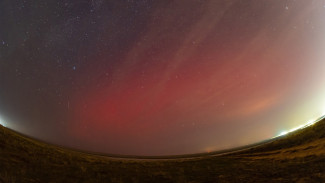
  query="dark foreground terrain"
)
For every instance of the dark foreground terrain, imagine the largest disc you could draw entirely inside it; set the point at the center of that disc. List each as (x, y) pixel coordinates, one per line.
(298, 157)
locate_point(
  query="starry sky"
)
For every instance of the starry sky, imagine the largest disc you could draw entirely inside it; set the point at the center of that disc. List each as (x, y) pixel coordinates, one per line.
(163, 77)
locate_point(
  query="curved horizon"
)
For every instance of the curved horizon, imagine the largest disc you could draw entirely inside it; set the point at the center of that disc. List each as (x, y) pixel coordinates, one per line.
(178, 156)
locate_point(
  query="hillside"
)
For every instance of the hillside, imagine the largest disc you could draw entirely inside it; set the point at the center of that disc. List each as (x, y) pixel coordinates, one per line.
(297, 157)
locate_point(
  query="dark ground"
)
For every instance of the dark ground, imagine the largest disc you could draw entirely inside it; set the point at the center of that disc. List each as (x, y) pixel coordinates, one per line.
(298, 157)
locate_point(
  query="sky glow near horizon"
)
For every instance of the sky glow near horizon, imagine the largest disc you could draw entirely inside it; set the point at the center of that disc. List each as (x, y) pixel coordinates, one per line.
(161, 77)
(309, 123)
(2, 122)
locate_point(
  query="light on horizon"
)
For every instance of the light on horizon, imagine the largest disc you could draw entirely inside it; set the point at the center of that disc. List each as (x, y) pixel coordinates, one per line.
(2, 123)
(309, 123)
(283, 133)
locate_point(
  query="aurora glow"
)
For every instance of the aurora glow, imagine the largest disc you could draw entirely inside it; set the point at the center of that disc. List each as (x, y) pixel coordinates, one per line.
(161, 77)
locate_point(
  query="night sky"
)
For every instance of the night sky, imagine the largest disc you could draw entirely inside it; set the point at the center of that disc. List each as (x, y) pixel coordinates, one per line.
(145, 77)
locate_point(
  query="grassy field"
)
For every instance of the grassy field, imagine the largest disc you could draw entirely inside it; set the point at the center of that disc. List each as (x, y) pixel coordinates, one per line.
(297, 157)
